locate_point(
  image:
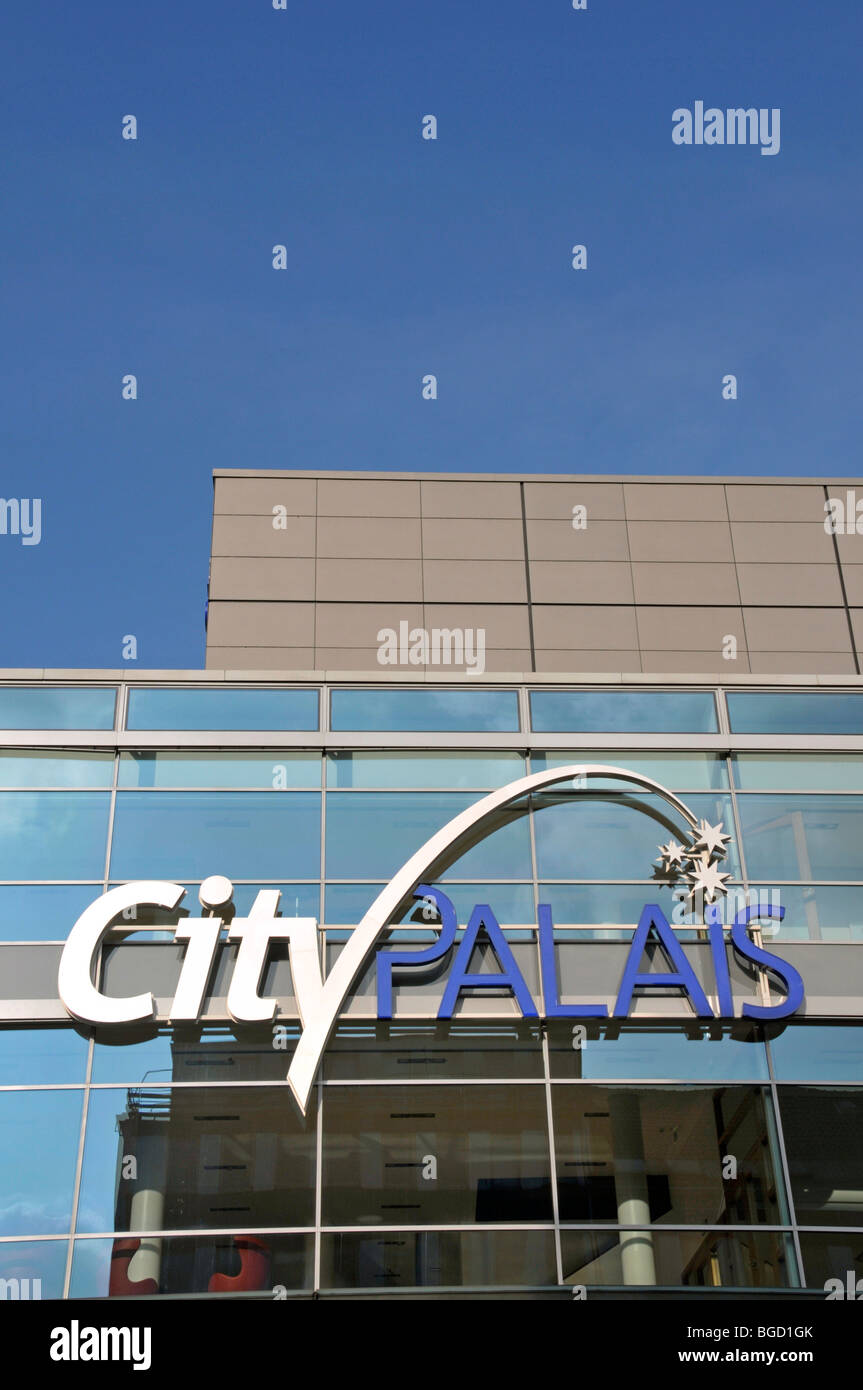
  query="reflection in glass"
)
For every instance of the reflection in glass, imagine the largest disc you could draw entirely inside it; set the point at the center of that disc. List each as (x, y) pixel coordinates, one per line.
(214, 1053)
(623, 711)
(273, 771)
(429, 1051)
(38, 1056)
(817, 1052)
(420, 711)
(33, 1269)
(677, 771)
(795, 712)
(180, 835)
(691, 1052)
(423, 769)
(700, 1259)
(46, 835)
(802, 837)
(657, 1155)
(43, 912)
(241, 1157)
(231, 1266)
(371, 834)
(211, 708)
(830, 1256)
(39, 1133)
(821, 772)
(424, 1155)
(512, 903)
(56, 707)
(30, 767)
(813, 912)
(458, 1260)
(823, 1129)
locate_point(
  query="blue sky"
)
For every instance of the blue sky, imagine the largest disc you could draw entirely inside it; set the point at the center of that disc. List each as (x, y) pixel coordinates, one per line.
(406, 257)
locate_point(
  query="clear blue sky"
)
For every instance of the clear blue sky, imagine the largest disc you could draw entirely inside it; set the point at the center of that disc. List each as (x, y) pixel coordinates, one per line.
(406, 256)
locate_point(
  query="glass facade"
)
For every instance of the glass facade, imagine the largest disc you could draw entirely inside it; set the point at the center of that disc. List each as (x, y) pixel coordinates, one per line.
(450, 1157)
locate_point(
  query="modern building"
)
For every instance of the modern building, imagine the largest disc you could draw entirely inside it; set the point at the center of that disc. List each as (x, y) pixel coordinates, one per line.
(539, 976)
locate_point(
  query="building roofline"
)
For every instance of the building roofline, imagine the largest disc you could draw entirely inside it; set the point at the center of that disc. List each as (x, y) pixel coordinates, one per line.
(827, 479)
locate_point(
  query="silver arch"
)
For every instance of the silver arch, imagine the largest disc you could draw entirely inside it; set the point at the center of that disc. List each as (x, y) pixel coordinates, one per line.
(316, 1033)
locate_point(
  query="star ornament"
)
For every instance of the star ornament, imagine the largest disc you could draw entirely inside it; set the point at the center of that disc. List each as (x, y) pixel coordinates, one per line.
(671, 855)
(706, 878)
(710, 838)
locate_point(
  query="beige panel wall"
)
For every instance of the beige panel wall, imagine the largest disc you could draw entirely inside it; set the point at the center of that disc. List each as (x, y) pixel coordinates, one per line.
(553, 574)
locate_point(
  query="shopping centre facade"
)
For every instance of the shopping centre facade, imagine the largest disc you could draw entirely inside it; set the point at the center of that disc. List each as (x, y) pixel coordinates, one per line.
(356, 966)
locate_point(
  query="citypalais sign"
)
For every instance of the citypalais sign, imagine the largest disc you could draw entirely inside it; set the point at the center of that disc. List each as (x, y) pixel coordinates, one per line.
(320, 1001)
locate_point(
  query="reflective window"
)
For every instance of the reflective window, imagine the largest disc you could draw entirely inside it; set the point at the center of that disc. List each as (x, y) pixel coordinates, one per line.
(33, 768)
(614, 834)
(56, 707)
(818, 1052)
(816, 912)
(802, 837)
(193, 834)
(429, 1051)
(43, 913)
(215, 1053)
(657, 1156)
(216, 708)
(623, 711)
(793, 712)
(33, 1269)
(479, 771)
(371, 834)
(45, 835)
(823, 1129)
(443, 1259)
(421, 711)
(430, 1155)
(221, 1156)
(39, 1132)
(274, 771)
(712, 1259)
(833, 1263)
(593, 1051)
(512, 903)
(607, 907)
(37, 1056)
(676, 771)
(822, 772)
(226, 1265)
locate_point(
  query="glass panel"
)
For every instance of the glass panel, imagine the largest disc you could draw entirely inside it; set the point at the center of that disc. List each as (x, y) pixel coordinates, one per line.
(271, 771)
(512, 903)
(812, 913)
(623, 711)
(240, 834)
(793, 712)
(614, 834)
(157, 923)
(742, 1260)
(593, 1051)
(33, 1269)
(39, 1132)
(43, 913)
(371, 834)
(440, 1259)
(237, 1157)
(33, 768)
(823, 1130)
(53, 834)
(802, 837)
(56, 707)
(421, 711)
(818, 1052)
(229, 1266)
(657, 1155)
(467, 769)
(207, 1054)
(830, 1256)
(823, 772)
(175, 709)
(435, 1155)
(612, 909)
(433, 1052)
(36, 1056)
(676, 771)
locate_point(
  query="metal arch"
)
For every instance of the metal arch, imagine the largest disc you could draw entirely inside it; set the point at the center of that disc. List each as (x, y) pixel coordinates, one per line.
(316, 1035)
